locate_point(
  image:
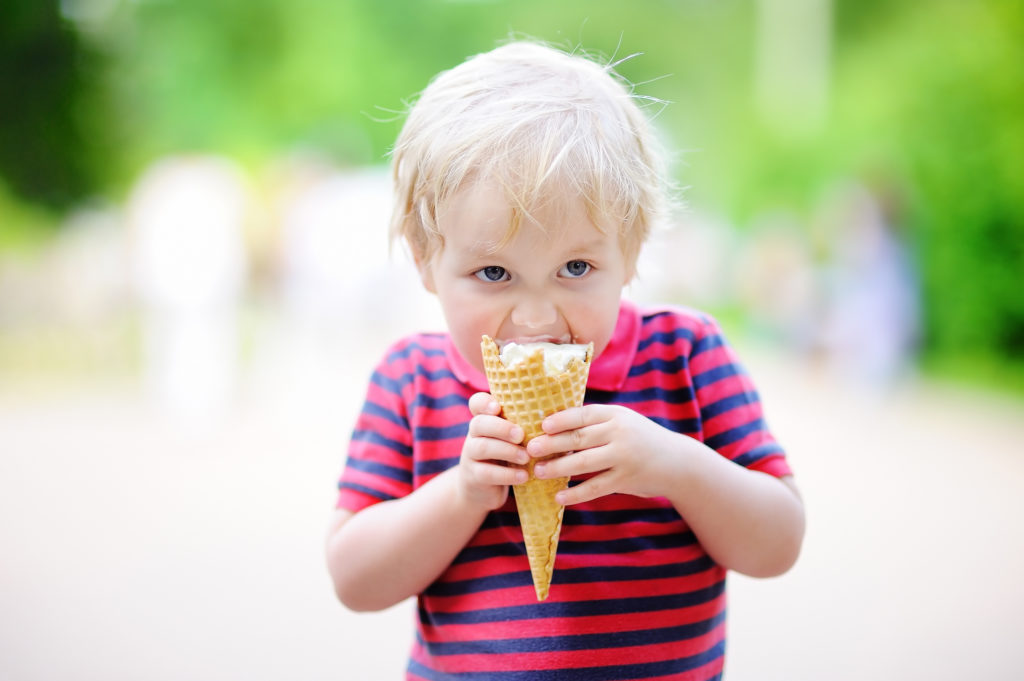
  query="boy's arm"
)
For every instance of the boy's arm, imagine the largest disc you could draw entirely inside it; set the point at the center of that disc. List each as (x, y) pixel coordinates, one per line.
(746, 520)
(395, 549)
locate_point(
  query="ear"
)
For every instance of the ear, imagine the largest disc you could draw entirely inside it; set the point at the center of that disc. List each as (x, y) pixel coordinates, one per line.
(630, 273)
(630, 255)
(425, 268)
(630, 276)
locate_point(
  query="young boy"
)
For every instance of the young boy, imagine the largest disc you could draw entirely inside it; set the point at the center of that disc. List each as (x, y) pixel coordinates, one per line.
(526, 182)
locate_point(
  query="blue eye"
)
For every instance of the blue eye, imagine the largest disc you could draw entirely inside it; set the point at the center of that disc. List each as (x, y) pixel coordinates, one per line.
(492, 274)
(575, 268)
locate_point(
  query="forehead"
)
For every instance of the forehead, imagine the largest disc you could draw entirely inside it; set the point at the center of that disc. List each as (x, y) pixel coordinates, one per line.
(479, 208)
(482, 218)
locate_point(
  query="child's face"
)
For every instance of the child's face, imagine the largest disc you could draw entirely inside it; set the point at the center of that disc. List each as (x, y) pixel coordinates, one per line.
(560, 284)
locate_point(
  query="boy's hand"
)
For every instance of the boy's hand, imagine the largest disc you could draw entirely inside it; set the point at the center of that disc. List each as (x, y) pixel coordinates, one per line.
(629, 453)
(492, 444)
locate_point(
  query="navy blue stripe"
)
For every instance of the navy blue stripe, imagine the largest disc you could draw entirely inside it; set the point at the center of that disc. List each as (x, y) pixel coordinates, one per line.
(423, 400)
(702, 380)
(707, 343)
(728, 403)
(727, 437)
(412, 347)
(387, 384)
(673, 540)
(460, 587)
(485, 551)
(665, 366)
(395, 385)
(433, 466)
(628, 573)
(590, 608)
(374, 438)
(758, 453)
(584, 575)
(599, 641)
(504, 519)
(644, 670)
(669, 338)
(380, 469)
(665, 514)
(687, 312)
(686, 426)
(434, 433)
(575, 516)
(681, 395)
(658, 313)
(373, 409)
(365, 490)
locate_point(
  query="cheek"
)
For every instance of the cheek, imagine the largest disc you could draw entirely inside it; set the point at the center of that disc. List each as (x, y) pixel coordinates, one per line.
(463, 306)
(467, 320)
(596, 322)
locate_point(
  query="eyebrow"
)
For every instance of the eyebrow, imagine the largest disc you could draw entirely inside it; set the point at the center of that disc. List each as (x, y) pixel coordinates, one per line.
(484, 248)
(487, 248)
(589, 246)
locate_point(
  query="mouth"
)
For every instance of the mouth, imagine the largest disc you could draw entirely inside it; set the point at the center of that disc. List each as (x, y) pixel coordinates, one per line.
(525, 340)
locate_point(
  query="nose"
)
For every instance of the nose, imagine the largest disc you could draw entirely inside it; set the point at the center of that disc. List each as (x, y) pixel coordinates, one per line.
(534, 313)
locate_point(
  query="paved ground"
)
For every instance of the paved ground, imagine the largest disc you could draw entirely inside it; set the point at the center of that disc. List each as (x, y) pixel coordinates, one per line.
(137, 546)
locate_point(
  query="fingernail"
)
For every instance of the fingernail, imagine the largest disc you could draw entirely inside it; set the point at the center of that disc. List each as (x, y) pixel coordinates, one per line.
(538, 470)
(516, 434)
(521, 477)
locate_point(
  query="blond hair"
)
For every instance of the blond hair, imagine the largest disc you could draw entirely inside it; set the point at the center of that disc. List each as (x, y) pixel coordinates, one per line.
(539, 122)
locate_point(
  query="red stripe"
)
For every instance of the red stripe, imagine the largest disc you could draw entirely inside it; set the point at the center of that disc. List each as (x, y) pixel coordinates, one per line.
(583, 592)
(497, 565)
(597, 624)
(576, 659)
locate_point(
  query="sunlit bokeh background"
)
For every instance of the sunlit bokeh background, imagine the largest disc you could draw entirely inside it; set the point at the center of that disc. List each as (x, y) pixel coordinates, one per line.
(195, 281)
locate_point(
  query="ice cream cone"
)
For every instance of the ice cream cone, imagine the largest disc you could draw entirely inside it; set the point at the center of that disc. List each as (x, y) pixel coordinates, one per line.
(527, 395)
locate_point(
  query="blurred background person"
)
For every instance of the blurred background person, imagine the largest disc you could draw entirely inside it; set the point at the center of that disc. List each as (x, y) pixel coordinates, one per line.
(185, 216)
(870, 329)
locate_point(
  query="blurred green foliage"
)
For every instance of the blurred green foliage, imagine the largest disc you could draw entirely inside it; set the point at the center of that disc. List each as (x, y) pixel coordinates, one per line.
(952, 121)
(923, 99)
(48, 79)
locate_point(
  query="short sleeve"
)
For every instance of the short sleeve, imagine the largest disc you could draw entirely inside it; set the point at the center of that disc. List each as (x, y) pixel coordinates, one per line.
(379, 465)
(730, 407)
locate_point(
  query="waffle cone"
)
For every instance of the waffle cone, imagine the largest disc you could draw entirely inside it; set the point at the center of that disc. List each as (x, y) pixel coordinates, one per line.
(528, 395)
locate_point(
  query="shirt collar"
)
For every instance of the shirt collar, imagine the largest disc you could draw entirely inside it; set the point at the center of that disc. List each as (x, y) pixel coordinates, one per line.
(608, 371)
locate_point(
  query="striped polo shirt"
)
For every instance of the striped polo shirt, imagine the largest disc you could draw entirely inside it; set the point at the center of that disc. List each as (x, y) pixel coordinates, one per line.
(634, 595)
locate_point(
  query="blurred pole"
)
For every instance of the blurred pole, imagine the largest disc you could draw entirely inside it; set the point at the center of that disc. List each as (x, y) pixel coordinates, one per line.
(792, 63)
(186, 217)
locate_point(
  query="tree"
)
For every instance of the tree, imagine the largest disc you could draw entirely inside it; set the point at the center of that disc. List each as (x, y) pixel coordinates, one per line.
(46, 79)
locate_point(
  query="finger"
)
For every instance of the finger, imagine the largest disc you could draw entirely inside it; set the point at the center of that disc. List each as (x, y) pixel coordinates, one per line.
(492, 449)
(495, 474)
(549, 445)
(568, 419)
(486, 425)
(484, 403)
(578, 439)
(572, 464)
(575, 418)
(588, 490)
